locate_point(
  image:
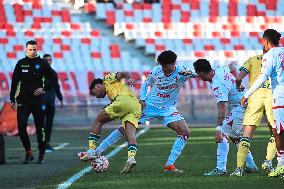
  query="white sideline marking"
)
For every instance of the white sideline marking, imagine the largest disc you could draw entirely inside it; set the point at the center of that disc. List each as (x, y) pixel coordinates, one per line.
(81, 173)
(60, 146)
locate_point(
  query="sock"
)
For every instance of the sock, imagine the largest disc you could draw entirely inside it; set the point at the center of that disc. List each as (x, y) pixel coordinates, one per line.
(280, 158)
(177, 149)
(132, 149)
(271, 149)
(244, 146)
(110, 140)
(249, 160)
(93, 140)
(222, 153)
(29, 152)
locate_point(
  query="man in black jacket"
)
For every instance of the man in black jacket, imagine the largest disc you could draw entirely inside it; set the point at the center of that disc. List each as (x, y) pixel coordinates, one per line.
(27, 96)
(51, 89)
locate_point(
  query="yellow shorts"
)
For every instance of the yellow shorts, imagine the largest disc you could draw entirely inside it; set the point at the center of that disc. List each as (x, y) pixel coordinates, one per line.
(125, 108)
(259, 103)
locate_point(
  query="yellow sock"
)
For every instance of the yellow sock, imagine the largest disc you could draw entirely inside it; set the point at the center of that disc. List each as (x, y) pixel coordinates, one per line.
(132, 149)
(271, 149)
(93, 140)
(244, 146)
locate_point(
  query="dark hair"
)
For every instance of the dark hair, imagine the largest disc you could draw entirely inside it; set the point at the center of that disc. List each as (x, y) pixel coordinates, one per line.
(46, 55)
(202, 65)
(272, 36)
(31, 42)
(167, 57)
(95, 82)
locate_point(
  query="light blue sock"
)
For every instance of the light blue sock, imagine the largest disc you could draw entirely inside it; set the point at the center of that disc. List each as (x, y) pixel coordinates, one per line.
(177, 149)
(249, 160)
(111, 139)
(222, 153)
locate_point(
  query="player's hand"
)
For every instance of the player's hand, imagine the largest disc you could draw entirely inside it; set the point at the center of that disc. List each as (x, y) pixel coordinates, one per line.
(244, 101)
(39, 92)
(14, 106)
(218, 137)
(241, 88)
(130, 82)
(61, 104)
(143, 103)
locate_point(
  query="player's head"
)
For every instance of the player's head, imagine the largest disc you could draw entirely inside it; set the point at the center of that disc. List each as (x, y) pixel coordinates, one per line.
(31, 49)
(271, 39)
(47, 58)
(167, 59)
(203, 69)
(97, 88)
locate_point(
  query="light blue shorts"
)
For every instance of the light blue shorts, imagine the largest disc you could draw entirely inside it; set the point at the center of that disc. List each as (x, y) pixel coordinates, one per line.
(166, 115)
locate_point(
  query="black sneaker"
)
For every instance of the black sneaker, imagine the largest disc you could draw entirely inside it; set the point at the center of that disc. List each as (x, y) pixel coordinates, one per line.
(40, 159)
(49, 148)
(28, 159)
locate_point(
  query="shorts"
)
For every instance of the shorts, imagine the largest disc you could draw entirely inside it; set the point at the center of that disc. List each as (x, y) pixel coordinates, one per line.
(233, 123)
(278, 111)
(258, 103)
(165, 115)
(125, 108)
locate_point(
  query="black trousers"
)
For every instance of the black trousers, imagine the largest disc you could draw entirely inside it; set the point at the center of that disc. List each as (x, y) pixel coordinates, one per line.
(38, 111)
(49, 116)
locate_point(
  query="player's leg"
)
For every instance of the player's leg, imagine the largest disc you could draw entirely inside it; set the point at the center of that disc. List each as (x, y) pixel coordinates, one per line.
(130, 131)
(177, 123)
(251, 120)
(102, 118)
(278, 112)
(271, 145)
(110, 140)
(23, 112)
(49, 117)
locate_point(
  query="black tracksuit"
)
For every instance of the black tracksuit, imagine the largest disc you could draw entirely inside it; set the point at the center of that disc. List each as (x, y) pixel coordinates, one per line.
(52, 89)
(28, 76)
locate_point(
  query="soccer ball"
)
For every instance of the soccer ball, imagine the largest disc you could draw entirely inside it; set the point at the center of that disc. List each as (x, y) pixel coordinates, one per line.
(99, 164)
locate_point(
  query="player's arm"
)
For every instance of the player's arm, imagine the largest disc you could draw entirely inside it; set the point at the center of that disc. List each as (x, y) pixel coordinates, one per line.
(266, 69)
(222, 109)
(127, 76)
(144, 88)
(14, 84)
(240, 78)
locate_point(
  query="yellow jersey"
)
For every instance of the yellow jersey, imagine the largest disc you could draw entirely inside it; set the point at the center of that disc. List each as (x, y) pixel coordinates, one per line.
(253, 67)
(115, 87)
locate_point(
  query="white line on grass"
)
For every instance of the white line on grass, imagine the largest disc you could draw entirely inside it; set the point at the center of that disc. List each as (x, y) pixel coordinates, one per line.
(81, 173)
(60, 146)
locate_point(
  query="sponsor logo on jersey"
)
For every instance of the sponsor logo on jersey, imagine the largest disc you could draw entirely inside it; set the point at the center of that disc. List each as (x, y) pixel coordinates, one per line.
(163, 95)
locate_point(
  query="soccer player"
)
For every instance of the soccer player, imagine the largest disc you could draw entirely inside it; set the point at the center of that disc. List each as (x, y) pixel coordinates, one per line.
(124, 106)
(258, 103)
(166, 81)
(223, 86)
(273, 67)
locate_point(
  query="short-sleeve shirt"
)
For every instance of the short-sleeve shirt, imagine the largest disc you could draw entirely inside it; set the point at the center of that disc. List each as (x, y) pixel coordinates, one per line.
(273, 67)
(224, 88)
(115, 87)
(253, 67)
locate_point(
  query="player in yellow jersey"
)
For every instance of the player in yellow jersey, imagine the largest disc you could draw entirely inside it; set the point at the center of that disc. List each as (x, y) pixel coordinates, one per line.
(258, 104)
(124, 106)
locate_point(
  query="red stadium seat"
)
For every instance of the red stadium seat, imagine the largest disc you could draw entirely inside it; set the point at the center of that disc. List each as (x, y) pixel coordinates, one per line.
(11, 55)
(58, 55)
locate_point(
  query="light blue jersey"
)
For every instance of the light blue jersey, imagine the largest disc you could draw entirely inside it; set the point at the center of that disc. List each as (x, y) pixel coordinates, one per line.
(224, 88)
(164, 89)
(273, 66)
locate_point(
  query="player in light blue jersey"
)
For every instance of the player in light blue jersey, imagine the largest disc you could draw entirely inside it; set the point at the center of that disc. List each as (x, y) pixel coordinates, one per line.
(229, 125)
(165, 81)
(273, 67)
